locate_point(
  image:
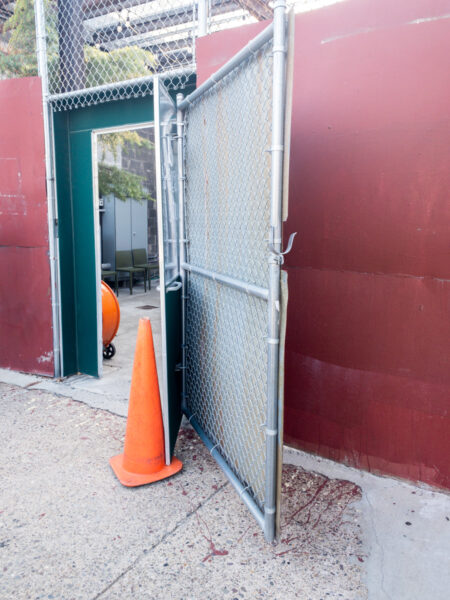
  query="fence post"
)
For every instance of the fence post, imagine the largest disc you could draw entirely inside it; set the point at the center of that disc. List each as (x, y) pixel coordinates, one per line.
(52, 209)
(273, 346)
(182, 242)
(202, 8)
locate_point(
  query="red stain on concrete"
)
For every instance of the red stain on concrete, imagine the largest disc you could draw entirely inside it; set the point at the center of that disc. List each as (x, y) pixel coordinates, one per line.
(212, 547)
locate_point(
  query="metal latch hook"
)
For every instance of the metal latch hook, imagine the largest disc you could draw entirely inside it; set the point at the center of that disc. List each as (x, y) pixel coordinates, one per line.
(281, 255)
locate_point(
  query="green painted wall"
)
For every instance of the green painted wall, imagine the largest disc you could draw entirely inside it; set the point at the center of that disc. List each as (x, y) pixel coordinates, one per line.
(84, 251)
(73, 131)
(173, 350)
(66, 242)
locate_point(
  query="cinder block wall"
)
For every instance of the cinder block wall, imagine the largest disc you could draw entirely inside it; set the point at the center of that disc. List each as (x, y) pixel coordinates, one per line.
(141, 161)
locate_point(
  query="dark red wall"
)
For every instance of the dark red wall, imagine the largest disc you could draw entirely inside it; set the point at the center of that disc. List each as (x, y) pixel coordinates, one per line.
(25, 300)
(368, 337)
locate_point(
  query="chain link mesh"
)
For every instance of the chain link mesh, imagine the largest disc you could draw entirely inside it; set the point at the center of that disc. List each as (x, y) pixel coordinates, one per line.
(227, 166)
(226, 375)
(100, 50)
(113, 47)
(229, 213)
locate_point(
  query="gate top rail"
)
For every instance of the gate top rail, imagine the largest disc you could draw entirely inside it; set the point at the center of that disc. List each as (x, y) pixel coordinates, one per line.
(247, 51)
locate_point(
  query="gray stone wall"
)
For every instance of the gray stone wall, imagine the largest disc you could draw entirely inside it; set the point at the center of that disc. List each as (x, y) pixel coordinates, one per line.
(141, 161)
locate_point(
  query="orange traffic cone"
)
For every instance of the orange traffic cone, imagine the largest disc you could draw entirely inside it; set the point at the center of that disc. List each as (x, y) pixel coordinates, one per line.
(142, 460)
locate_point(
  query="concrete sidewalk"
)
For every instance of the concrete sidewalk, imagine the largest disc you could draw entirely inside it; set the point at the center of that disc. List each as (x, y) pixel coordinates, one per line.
(111, 391)
(69, 530)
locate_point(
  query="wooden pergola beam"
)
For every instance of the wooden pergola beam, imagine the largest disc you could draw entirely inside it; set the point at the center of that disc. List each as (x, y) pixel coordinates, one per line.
(5, 12)
(177, 16)
(98, 8)
(259, 9)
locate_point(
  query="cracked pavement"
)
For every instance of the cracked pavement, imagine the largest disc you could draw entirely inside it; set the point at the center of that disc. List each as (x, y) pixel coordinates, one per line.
(70, 531)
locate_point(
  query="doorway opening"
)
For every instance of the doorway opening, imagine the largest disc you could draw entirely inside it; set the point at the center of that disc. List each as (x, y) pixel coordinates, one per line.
(127, 245)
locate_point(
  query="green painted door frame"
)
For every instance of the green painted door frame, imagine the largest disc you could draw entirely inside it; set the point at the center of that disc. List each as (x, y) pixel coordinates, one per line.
(74, 179)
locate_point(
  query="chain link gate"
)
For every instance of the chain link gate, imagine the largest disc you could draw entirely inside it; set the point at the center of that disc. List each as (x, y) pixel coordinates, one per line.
(231, 191)
(232, 180)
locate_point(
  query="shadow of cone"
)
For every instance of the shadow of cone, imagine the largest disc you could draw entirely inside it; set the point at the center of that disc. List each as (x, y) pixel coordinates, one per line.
(142, 460)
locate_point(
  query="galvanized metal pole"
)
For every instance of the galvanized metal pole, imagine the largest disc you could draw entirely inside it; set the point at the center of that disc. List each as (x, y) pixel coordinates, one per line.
(172, 214)
(159, 161)
(202, 7)
(242, 490)
(182, 243)
(52, 209)
(273, 341)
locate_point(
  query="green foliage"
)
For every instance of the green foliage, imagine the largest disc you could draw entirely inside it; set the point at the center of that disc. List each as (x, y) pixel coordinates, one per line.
(111, 141)
(101, 67)
(116, 65)
(121, 183)
(20, 59)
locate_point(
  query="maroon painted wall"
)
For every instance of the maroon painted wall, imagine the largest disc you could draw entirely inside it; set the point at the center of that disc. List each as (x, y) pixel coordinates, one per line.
(368, 333)
(25, 300)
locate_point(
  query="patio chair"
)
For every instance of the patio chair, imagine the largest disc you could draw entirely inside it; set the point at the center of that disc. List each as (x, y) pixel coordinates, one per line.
(140, 261)
(124, 264)
(108, 274)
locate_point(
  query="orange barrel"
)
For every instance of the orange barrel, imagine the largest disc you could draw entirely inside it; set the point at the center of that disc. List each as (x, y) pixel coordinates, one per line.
(110, 314)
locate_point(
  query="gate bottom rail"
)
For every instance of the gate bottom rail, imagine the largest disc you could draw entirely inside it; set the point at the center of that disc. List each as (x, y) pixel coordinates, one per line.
(238, 486)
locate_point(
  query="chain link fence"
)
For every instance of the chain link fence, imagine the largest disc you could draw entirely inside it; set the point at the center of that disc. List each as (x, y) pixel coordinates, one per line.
(227, 220)
(99, 50)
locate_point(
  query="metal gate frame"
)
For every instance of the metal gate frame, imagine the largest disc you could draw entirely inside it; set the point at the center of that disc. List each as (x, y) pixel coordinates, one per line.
(277, 31)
